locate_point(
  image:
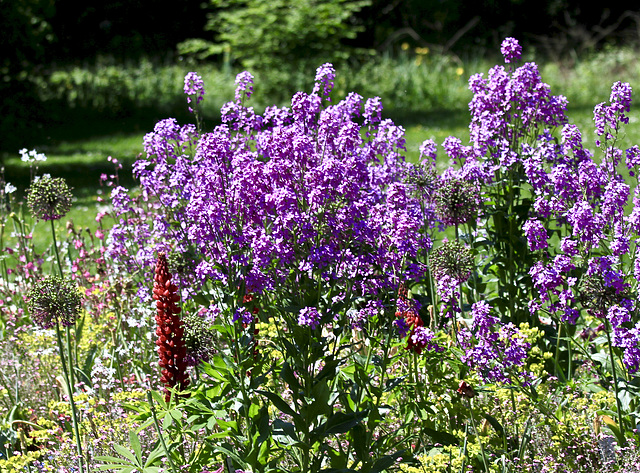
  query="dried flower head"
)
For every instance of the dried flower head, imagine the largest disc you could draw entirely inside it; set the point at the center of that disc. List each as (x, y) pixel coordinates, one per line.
(466, 390)
(452, 259)
(597, 295)
(49, 198)
(457, 201)
(53, 300)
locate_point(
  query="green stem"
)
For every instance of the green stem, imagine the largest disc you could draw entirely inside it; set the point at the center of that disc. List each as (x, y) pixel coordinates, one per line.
(464, 448)
(68, 370)
(74, 417)
(515, 415)
(157, 425)
(55, 247)
(473, 423)
(615, 385)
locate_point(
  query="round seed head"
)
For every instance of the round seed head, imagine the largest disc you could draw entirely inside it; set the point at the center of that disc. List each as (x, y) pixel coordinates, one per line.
(49, 198)
(452, 259)
(53, 300)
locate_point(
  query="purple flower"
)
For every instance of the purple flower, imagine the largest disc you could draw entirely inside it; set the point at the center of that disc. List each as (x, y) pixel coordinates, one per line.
(309, 317)
(244, 86)
(325, 75)
(193, 84)
(618, 315)
(422, 339)
(511, 50)
(536, 234)
(243, 315)
(632, 159)
(491, 348)
(193, 88)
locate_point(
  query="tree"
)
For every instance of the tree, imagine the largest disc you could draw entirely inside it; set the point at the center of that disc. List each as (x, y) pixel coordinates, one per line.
(261, 35)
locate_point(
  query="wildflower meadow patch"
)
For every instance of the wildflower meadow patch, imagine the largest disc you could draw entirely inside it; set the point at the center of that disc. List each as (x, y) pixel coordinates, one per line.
(287, 293)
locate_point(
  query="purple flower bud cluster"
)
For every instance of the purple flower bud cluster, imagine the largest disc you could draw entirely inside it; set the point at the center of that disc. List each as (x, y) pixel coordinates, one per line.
(511, 50)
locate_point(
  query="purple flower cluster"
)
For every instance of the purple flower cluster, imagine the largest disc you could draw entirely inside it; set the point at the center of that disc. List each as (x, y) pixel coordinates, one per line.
(309, 317)
(536, 234)
(193, 88)
(628, 339)
(306, 188)
(422, 339)
(508, 107)
(495, 350)
(511, 50)
(607, 118)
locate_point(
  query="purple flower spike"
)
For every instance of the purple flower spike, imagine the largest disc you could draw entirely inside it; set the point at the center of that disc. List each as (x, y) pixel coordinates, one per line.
(536, 234)
(511, 50)
(244, 85)
(193, 88)
(325, 75)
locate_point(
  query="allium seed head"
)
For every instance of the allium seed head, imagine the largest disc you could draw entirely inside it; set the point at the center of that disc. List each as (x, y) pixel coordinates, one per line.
(452, 259)
(457, 201)
(53, 300)
(49, 198)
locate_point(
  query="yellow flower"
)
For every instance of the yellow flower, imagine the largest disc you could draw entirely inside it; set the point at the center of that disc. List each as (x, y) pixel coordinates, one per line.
(422, 51)
(404, 46)
(459, 71)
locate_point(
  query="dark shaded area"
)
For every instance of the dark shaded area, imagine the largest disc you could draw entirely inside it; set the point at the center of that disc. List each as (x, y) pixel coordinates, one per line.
(42, 35)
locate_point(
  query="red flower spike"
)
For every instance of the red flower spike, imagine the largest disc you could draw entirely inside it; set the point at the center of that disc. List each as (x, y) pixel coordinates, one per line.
(170, 342)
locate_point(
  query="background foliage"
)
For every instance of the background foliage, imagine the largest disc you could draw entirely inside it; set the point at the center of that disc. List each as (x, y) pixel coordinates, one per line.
(43, 39)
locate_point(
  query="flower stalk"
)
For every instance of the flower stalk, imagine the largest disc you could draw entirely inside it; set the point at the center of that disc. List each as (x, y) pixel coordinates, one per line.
(170, 331)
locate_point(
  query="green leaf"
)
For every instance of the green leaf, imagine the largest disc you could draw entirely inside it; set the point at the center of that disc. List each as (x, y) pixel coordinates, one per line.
(125, 452)
(156, 454)
(281, 405)
(134, 440)
(284, 432)
(341, 422)
(383, 463)
(233, 455)
(495, 424)
(445, 438)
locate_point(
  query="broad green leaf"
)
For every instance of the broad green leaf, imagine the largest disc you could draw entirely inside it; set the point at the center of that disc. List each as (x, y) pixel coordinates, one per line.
(341, 422)
(125, 452)
(134, 441)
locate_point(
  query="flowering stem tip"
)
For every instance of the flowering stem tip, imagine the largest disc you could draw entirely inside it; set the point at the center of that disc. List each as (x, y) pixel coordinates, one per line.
(170, 331)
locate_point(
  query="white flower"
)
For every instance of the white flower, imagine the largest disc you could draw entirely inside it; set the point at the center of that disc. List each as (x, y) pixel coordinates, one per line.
(31, 156)
(9, 188)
